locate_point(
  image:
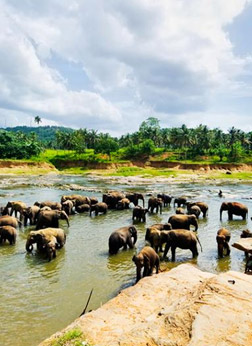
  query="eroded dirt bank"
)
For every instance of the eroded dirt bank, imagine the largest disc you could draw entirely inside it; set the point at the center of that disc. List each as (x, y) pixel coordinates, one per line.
(184, 306)
(15, 166)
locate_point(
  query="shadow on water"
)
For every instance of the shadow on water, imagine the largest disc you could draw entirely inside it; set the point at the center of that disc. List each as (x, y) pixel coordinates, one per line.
(52, 294)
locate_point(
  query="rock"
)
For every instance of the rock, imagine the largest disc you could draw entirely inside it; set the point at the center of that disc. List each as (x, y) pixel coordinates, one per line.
(184, 306)
(228, 172)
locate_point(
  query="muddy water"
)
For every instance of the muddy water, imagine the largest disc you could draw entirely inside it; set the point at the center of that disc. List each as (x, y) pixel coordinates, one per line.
(37, 297)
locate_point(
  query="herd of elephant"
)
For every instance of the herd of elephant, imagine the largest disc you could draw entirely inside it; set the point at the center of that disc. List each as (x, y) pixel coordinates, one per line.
(175, 233)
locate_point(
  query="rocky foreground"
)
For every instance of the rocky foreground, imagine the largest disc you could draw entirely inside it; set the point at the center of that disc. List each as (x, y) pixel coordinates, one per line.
(184, 306)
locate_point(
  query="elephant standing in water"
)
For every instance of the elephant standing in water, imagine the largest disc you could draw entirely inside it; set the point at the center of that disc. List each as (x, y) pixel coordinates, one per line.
(122, 237)
(181, 238)
(234, 208)
(134, 197)
(155, 203)
(99, 207)
(222, 238)
(51, 218)
(139, 213)
(8, 233)
(7, 220)
(147, 258)
(31, 214)
(16, 207)
(183, 221)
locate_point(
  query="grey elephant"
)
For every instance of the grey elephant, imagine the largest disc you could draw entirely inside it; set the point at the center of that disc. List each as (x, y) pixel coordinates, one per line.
(7, 220)
(153, 235)
(82, 208)
(181, 238)
(180, 201)
(183, 221)
(16, 207)
(76, 199)
(67, 206)
(223, 238)
(234, 208)
(31, 214)
(155, 203)
(202, 205)
(165, 198)
(47, 240)
(51, 218)
(123, 204)
(112, 198)
(8, 233)
(194, 210)
(51, 204)
(99, 208)
(134, 197)
(139, 213)
(122, 237)
(147, 258)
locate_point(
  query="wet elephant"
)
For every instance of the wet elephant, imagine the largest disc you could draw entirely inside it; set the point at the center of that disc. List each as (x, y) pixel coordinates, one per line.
(16, 207)
(183, 221)
(181, 238)
(7, 220)
(155, 203)
(53, 205)
(112, 198)
(165, 198)
(202, 205)
(98, 208)
(180, 201)
(67, 206)
(8, 233)
(134, 197)
(223, 238)
(234, 208)
(139, 213)
(147, 258)
(31, 214)
(51, 218)
(122, 237)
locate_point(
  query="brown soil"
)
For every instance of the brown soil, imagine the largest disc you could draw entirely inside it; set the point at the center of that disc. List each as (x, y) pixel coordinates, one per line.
(25, 167)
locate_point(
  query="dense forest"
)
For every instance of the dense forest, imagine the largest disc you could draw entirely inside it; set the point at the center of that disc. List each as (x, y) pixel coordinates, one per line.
(150, 139)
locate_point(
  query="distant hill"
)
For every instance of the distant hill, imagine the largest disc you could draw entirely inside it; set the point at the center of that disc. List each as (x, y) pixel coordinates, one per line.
(46, 134)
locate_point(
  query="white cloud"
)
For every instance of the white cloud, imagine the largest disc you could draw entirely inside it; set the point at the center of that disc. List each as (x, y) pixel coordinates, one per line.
(169, 58)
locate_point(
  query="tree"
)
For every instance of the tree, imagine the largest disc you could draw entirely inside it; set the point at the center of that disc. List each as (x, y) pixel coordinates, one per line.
(37, 119)
(106, 146)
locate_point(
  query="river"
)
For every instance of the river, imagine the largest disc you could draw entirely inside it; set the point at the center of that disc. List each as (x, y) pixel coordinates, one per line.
(38, 298)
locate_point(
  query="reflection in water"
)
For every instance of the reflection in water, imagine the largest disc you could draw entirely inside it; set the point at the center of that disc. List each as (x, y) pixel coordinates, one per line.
(52, 294)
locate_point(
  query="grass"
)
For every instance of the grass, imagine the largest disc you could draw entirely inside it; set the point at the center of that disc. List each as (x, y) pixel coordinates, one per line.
(144, 172)
(73, 337)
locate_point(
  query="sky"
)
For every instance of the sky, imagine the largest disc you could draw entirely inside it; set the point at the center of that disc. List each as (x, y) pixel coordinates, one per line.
(111, 64)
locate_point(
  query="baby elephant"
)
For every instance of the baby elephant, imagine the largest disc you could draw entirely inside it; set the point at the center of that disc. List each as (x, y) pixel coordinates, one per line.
(8, 233)
(222, 238)
(122, 237)
(147, 258)
(99, 207)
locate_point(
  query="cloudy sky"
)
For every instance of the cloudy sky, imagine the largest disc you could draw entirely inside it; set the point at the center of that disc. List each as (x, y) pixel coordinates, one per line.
(110, 64)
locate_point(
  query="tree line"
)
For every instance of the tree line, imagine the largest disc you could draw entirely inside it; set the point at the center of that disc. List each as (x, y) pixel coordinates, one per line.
(188, 143)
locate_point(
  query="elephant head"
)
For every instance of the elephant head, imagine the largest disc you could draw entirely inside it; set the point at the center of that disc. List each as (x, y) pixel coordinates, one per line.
(193, 221)
(63, 216)
(33, 237)
(133, 232)
(224, 206)
(139, 196)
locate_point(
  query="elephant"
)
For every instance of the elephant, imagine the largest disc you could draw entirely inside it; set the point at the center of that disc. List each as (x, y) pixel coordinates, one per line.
(246, 234)
(153, 235)
(183, 221)
(202, 205)
(7, 220)
(155, 203)
(82, 208)
(234, 208)
(67, 206)
(139, 213)
(31, 214)
(79, 198)
(181, 238)
(134, 197)
(93, 200)
(147, 258)
(47, 240)
(123, 204)
(51, 204)
(4, 211)
(100, 207)
(180, 201)
(194, 210)
(16, 207)
(165, 198)
(122, 237)
(8, 233)
(51, 219)
(222, 238)
(180, 210)
(112, 198)
(45, 208)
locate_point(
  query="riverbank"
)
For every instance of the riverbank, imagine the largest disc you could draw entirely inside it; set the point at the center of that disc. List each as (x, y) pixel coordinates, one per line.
(207, 309)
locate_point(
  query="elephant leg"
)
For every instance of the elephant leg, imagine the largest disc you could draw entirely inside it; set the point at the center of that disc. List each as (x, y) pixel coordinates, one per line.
(138, 273)
(125, 246)
(194, 252)
(173, 251)
(228, 249)
(15, 213)
(167, 247)
(230, 216)
(146, 271)
(157, 265)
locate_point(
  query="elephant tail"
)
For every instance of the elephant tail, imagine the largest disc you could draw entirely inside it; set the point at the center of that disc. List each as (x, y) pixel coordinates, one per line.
(199, 242)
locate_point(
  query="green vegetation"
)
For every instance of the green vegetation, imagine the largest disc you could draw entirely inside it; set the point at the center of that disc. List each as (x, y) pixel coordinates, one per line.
(144, 172)
(73, 337)
(150, 142)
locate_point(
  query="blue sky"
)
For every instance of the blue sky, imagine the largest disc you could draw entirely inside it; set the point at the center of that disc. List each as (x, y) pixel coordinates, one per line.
(110, 64)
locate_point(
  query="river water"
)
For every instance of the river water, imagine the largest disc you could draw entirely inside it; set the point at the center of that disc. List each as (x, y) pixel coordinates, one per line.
(38, 298)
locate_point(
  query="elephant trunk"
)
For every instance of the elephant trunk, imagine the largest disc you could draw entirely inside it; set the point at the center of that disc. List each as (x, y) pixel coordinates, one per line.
(221, 213)
(29, 246)
(134, 236)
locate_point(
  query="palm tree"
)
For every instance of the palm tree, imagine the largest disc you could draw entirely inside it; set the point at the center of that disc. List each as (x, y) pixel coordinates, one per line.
(37, 119)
